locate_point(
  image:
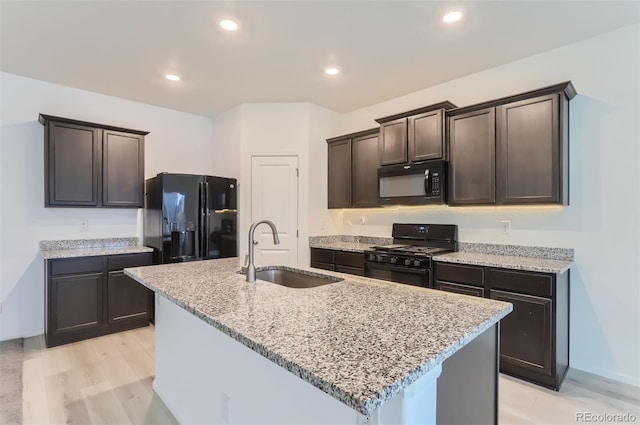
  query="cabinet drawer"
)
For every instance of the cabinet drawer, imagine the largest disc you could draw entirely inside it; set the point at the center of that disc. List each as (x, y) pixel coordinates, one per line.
(530, 283)
(324, 266)
(460, 289)
(351, 259)
(322, 255)
(350, 270)
(76, 265)
(469, 275)
(119, 262)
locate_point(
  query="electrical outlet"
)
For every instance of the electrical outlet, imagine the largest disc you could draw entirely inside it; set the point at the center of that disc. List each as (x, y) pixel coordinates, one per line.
(506, 227)
(84, 226)
(225, 408)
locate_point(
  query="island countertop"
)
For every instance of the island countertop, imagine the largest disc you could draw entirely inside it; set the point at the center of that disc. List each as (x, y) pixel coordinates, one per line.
(359, 340)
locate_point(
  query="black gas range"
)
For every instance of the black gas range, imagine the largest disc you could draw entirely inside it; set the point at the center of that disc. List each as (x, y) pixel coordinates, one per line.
(408, 259)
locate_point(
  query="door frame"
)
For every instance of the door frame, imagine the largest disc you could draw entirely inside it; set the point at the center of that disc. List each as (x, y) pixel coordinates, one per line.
(247, 202)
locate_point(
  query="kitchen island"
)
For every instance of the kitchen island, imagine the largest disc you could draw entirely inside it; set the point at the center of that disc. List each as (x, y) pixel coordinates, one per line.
(355, 351)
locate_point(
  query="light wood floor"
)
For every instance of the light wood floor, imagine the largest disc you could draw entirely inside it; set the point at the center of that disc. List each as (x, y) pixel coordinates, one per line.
(108, 380)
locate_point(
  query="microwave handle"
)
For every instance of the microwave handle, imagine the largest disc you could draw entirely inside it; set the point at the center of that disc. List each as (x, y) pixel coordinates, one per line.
(426, 183)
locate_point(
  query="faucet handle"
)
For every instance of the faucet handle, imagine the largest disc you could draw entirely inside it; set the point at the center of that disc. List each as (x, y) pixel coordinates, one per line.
(256, 242)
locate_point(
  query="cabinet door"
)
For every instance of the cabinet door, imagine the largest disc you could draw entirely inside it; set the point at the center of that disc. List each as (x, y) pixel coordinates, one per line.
(426, 138)
(528, 151)
(72, 161)
(364, 183)
(472, 158)
(526, 332)
(129, 301)
(339, 181)
(323, 259)
(123, 169)
(76, 303)
(393, 142)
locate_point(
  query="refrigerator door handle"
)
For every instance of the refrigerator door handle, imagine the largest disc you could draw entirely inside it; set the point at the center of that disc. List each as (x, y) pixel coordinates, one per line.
(207, 219)
(202, 221)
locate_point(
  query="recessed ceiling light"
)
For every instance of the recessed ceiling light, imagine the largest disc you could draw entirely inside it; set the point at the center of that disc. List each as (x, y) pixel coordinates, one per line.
(229, 25)
(172, 77)
(332, 71)
(451, 17)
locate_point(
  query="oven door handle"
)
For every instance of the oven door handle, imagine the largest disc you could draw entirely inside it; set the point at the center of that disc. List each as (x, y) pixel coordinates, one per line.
(400, 269)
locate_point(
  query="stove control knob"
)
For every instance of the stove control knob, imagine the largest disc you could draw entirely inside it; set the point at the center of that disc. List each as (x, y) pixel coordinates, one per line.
(416, 263)
(407, 262)
(393, 260)
(371, 257)
(379, 258)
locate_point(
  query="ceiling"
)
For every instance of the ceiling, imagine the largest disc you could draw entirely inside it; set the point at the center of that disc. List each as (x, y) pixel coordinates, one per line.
(384, 49)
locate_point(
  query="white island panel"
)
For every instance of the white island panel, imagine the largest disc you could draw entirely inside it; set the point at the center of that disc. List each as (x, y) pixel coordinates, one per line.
(206, 377)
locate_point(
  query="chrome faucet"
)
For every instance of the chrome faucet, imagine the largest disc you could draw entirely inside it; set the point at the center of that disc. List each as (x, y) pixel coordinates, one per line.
(251, 268)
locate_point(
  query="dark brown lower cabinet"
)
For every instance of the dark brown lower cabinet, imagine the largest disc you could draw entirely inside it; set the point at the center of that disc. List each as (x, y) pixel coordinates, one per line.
(461, 279)
(534, 337)
(91, 296)
(339, 261)
(77, 303)
(323, 259)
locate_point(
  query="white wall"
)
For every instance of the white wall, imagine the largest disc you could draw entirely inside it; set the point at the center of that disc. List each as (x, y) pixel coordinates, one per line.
(227, 138)
(602, 222)
(277, 129)
(177, 142)
(320, 220)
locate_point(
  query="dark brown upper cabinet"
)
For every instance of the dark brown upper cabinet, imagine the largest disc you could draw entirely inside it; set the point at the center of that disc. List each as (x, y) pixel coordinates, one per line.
(339, 180)
(92, 165)
(415, 135)
(532, 151)
(364, 170)
(513, 150)
(393, 142)
(123, 169)
(353, 170)
(472, 158)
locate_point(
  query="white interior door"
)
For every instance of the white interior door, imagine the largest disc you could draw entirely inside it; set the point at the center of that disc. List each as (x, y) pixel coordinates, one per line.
(274, 196)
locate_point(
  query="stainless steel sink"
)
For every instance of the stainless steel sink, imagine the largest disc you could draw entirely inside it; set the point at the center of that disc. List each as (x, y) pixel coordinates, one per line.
(294, 279)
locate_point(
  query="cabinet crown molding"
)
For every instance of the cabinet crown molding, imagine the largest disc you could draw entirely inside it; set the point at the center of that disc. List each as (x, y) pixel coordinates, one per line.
(43, 118)
(354, 135)
(441, 105)
(565, 87)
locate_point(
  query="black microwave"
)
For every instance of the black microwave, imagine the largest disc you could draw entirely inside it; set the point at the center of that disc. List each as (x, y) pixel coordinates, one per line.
(413, 184)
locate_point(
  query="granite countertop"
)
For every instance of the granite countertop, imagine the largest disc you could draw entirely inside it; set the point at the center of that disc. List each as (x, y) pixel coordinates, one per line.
(347, 242)
(90, 247)
(343, 246)
(533, 264)
(529, 258)
(359, 340)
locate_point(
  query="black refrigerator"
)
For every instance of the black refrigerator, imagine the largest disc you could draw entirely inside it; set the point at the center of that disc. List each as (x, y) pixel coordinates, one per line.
(189, 217)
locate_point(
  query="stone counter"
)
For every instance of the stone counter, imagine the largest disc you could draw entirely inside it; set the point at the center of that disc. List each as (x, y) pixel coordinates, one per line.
(360, 340)
(90, 247)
